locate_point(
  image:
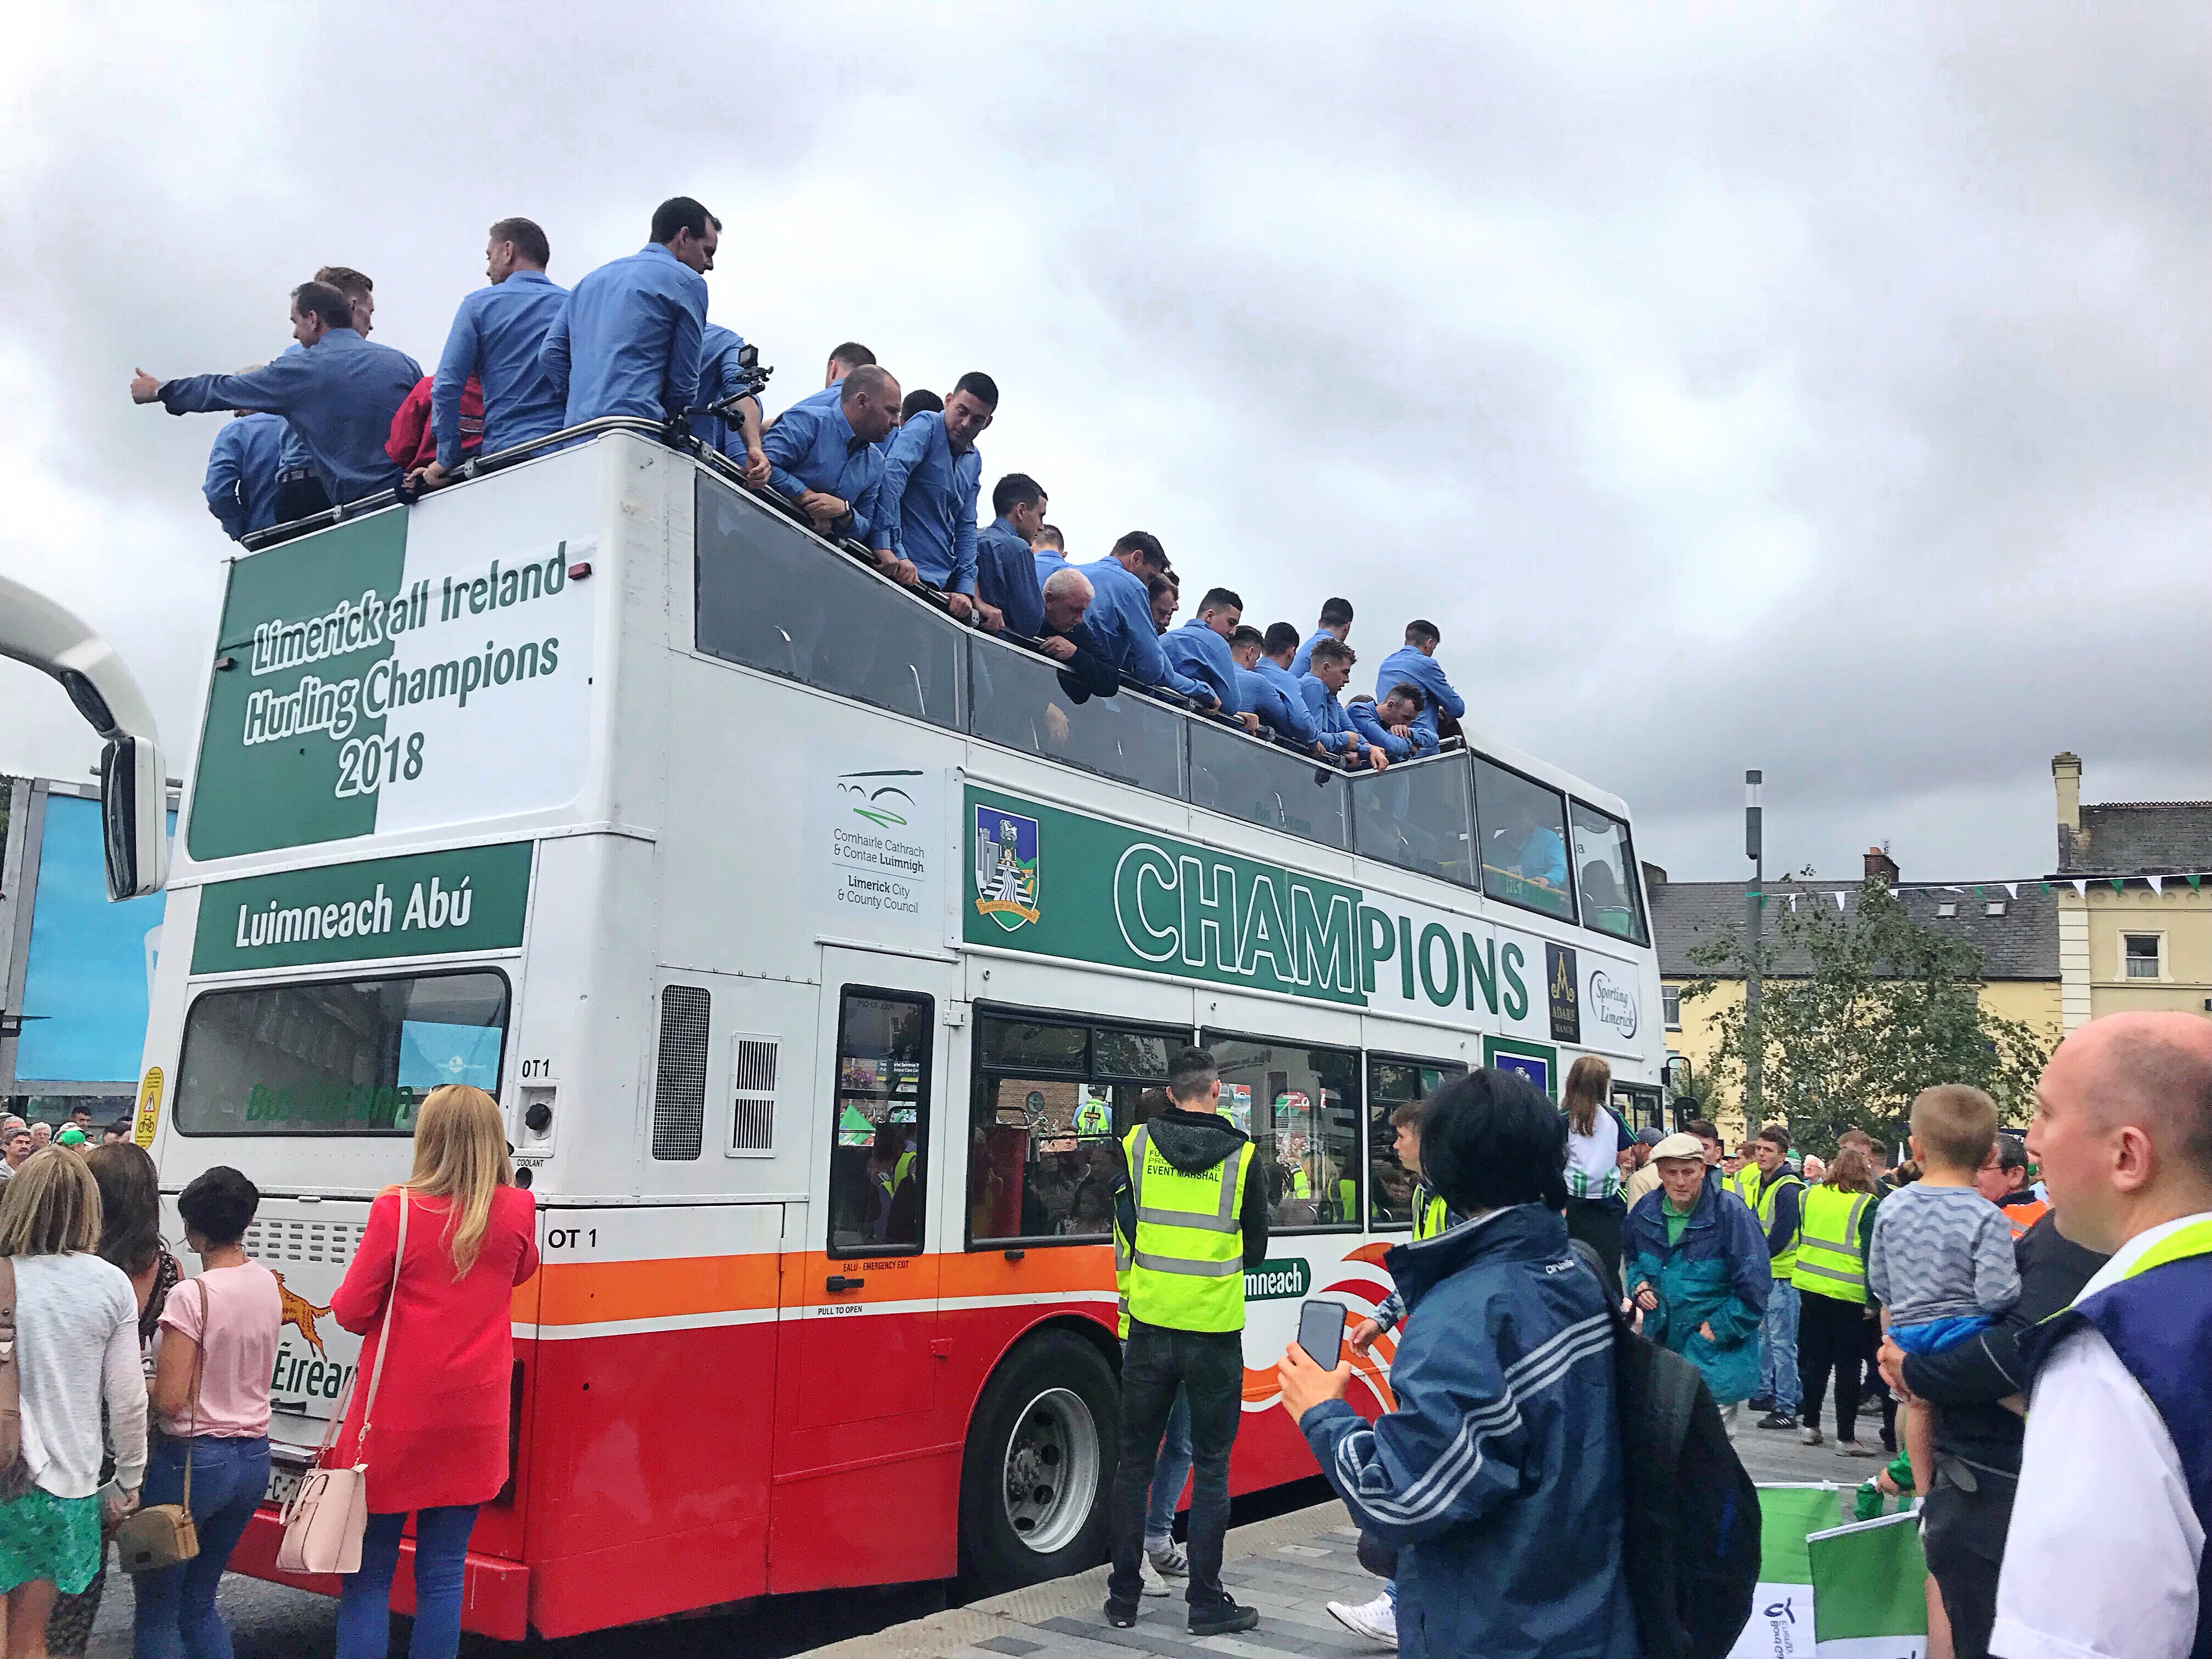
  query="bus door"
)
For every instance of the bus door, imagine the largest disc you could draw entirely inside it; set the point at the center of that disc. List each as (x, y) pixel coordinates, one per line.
(857, 1401)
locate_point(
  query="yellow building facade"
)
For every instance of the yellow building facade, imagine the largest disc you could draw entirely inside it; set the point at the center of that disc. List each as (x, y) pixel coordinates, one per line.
(2134, 930)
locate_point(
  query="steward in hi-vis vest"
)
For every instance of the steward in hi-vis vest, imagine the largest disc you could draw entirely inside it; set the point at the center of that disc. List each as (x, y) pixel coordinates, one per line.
(1829, 1259)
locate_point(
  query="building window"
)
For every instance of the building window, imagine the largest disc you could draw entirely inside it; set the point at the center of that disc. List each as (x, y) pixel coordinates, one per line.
(1994, 907)
(1947, 908)
(1670, 1004)
(2139, 952)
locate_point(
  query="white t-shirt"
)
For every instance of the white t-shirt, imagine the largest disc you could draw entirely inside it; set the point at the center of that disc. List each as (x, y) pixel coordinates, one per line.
(76, 1342)
(1593, 1169)
(2102, 1556)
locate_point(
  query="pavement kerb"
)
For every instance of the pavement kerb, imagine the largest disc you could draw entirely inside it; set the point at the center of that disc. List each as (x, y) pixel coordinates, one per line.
(959, 1628)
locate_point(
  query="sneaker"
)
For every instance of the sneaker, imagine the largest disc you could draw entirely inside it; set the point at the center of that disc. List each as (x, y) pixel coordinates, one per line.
(1120, 1614)
(1376, 1620)
(1149, 1581)
(1168, 1561)
(1779, 1420)
(1224, 1617)
(1813, 1436)
(1852, 1449)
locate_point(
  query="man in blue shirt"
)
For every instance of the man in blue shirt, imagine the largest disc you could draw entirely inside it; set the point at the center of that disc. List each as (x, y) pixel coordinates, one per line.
(931, 479)
(823, 458)
(1539, 854)
(340, 393)
(1332, 661)
(1388, 725)
(842, 362)
(1199, 648)
(1120, 616)
(1005, 569)
(1335, 624)
(721, 377)
(1290, 715)
(627, 342)
(1415, 663)
(497, 335)
(1263, 708)
(241, 473)
(1049, 552)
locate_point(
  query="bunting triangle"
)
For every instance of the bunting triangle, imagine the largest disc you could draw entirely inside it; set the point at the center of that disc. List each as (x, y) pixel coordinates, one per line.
(2196, 883)
(2157, 883)
(2012, 888)
(1839, 898)
(2082, 887)
(2118, 881)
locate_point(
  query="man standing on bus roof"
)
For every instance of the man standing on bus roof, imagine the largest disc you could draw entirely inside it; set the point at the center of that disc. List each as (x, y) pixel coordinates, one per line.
(1415, 663)
(931, 479)
(1199, 648)
(1335, 624)
(1331, 661)
(1005, 570)
(240, 486)
(1048, 551)
(721, 377)
(628, 342)
(339, 394)
(1266, 705)
(1120, 615)
(1183, 1174)
(823, 457)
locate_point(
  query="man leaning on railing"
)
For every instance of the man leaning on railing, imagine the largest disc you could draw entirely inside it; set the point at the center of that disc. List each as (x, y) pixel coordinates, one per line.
(931, 479)
(824, 457)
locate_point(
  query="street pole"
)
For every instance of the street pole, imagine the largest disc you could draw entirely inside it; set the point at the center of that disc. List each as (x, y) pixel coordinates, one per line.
(1755, 899)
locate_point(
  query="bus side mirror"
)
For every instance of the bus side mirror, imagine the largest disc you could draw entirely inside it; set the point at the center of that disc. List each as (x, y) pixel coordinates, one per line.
(134, 812)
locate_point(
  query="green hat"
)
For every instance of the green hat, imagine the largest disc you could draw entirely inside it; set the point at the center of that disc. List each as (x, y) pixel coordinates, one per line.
(70, 1136)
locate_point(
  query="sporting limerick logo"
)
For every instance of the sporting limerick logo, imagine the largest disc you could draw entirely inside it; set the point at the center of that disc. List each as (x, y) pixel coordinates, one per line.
(1005, 867)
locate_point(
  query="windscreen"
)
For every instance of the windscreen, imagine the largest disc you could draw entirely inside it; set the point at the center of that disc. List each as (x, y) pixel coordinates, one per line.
(336, 1057)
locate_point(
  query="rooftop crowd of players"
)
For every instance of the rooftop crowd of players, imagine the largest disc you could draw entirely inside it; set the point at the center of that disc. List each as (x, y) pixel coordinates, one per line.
(339, 417)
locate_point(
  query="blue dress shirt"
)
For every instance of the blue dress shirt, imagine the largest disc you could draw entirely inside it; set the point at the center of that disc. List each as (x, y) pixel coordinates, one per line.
(815, 448)
(1006, 576)
(628, 341)
(1288, 703)
(1302, 663)
(1370, 727)
(718, 380)
(1409, 663)
(241, 473)
(929, 503)
(498, 335)
(340, 395)
(832, 395)
(1120, 619)
(1048, 560)
(294, 455)
(1327, 716)
(1256, 696)
(1203, 654)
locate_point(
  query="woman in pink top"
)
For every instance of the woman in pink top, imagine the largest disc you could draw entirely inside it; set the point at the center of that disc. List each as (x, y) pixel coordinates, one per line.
(221, 1329)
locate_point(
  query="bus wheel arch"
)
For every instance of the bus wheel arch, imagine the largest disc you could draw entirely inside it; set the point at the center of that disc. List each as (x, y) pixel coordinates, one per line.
(1037, 1467)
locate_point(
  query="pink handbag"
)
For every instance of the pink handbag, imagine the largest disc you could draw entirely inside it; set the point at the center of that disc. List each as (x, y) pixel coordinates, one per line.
(326, 1516)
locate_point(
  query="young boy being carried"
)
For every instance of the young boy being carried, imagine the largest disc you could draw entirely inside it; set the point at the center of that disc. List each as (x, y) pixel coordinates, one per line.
(1941, 1258)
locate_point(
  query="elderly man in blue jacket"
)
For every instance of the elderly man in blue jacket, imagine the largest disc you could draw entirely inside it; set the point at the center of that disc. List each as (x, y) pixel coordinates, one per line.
(1497, 1478)
(1414, 663)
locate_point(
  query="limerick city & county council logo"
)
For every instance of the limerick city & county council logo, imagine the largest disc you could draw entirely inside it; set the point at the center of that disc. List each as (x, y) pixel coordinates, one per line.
(1005, 867)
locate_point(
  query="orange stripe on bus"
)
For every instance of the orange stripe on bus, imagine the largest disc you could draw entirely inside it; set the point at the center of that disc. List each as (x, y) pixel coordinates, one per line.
(594, 1292)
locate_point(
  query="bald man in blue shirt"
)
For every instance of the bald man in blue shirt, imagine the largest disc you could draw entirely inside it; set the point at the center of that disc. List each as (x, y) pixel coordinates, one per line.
(931, 479)
(844, 361)
(823, 459)
(629, 341)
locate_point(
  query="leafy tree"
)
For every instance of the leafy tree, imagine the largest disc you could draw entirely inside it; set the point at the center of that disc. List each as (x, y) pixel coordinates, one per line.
(1889, 1008)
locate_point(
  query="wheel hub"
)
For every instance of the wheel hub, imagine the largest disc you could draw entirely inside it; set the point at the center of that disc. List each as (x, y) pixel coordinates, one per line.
(1051, 1471)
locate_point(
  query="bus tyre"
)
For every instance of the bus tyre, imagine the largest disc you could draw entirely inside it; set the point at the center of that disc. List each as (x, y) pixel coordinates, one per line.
(1038, 1465)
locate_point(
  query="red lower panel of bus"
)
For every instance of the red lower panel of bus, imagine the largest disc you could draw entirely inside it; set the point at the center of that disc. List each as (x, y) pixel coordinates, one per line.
(494, 1594)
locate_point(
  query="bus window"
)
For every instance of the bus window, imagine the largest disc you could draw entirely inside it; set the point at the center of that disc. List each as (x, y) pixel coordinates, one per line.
(1051, 1100)
(336, 1057)
(1524, 828)
(771, 598)
(879, 1134)
(1263, 785)
(1605, 865)
(1391, 1084)
(1021, 701)
(1417, 817)
(1301, 1107)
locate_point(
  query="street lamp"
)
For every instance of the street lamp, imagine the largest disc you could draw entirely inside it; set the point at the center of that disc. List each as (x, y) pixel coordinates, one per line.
(1755, 899)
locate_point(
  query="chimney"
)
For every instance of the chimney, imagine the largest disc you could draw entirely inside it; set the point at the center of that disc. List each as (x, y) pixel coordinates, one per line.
(2066, 776)
(1880, 866)
(1654, 877)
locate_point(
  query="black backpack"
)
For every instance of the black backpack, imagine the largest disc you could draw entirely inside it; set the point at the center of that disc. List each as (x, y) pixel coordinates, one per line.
(1690, 1537)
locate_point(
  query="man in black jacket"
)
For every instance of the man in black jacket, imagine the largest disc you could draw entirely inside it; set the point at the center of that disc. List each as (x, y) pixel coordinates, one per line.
(1977, 1438)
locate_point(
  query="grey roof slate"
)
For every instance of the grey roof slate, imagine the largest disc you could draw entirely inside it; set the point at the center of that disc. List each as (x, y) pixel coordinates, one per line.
(2020, 944)
(2139, 838)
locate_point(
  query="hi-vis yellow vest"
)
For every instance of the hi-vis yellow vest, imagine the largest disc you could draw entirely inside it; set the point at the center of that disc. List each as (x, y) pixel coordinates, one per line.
(1431, 1214)
(1786, 1261)
(1744, 1183)
(1828, 1259)
(1187, 1261)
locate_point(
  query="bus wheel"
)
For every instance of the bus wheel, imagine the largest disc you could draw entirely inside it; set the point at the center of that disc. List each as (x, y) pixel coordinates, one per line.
(1038, 1464)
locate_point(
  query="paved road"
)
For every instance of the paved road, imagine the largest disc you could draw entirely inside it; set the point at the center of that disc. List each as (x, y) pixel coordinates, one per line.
(1290, 1553)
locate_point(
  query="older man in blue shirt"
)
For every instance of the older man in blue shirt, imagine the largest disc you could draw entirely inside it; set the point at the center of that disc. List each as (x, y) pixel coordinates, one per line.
(498, 335)
(1415, 663)
(339, 394)
(823, 459)
(629, 341)
(1006, 574)
(1120, 615)
(931, 479)
(1199, 648)
(1332, 661)
(241, 473)
(1335, 624)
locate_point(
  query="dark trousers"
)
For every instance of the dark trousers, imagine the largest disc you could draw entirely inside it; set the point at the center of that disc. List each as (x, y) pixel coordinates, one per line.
(1963, 1535)
(301, 497)
(1597, 1222)
(1831, 1336)
(1209, 1367)
(1876, 1389)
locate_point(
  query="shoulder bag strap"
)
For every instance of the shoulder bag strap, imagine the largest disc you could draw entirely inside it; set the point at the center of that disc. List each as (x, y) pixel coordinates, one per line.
(200, 1376)
(384, 1338)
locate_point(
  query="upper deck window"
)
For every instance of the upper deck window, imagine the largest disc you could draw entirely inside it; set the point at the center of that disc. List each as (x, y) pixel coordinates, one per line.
(1605, 873)
(1231, 775)
(1418, 818)
(1020, 701)
(1522, 827)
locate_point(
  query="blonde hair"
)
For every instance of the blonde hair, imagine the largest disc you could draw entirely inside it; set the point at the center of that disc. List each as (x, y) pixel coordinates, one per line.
(51, 1207)
(1956, 1126)
(460, 1156)
(1590, 1081)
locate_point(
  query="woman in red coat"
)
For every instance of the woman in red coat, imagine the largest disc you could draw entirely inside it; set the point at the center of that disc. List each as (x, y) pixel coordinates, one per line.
(437, 1440)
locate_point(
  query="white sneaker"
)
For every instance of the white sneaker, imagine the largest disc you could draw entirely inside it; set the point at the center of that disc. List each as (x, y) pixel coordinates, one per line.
(1168, 1561)
(1378, 1621)
(1149, 1582)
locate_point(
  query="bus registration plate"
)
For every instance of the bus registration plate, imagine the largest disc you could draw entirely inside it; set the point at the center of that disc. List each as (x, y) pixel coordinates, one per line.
(282, 1483)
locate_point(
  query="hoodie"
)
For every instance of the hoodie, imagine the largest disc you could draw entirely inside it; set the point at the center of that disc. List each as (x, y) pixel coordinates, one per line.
(1193, 1142)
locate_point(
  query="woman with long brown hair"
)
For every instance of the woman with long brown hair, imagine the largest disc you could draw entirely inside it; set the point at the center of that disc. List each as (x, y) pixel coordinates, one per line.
(1834, 1311)
(437, 1445)
(1596, 1139)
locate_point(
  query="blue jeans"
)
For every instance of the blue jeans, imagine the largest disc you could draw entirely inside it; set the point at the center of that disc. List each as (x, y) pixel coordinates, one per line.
(441, 1547)
(1168, 1474)
(1778, 1348)
(175, 1616)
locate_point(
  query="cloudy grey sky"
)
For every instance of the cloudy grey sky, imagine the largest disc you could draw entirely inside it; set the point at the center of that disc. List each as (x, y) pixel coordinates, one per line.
(1822, 389)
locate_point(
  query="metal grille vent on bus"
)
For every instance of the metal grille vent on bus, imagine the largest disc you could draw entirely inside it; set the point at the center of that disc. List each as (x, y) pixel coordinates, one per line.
(679, 1089)
(752, 1096)
(330, 1241)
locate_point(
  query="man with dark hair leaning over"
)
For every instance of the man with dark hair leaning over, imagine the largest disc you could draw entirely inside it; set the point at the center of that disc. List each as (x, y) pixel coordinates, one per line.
(339, 394)
(931, 479)
(1005, 570)
(497, 336)
(1183, 1173)
(1199, 650)
(1329, 670)
(1120, 615)
(1497, 1478)
(627, 342)
(823, 457)
(1415, 663)
(1335, 624)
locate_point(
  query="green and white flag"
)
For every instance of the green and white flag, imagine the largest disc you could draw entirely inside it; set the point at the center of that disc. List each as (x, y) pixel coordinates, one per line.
(1868, 1584)
(1781, 1624)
